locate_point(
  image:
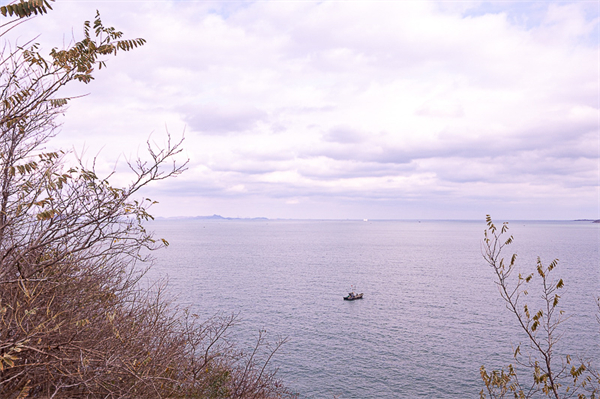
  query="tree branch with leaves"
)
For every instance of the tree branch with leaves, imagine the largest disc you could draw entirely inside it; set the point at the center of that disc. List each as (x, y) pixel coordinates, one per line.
(550, 374)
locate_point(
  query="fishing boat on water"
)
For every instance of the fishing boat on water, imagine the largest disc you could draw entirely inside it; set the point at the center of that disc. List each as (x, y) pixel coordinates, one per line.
(352, 296)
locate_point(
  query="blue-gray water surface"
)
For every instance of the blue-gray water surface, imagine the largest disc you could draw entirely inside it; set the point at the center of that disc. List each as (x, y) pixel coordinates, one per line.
(431, 313)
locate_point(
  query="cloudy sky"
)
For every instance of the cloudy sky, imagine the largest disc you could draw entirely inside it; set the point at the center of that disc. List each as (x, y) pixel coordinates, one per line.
(349, 109)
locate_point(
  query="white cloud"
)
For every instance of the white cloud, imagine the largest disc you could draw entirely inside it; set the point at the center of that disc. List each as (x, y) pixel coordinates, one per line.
(360, 109)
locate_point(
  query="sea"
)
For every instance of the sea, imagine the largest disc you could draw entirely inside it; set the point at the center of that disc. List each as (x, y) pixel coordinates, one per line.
(431, 315)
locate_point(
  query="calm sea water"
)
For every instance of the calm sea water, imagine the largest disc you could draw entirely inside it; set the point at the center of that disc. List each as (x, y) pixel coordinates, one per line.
(431, 314)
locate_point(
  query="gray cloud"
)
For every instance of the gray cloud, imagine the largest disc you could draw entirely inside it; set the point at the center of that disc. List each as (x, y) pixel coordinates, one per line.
(344, 135)
(212, 119)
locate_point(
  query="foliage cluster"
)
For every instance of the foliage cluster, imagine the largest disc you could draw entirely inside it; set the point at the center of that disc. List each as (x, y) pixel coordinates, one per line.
(74, 320)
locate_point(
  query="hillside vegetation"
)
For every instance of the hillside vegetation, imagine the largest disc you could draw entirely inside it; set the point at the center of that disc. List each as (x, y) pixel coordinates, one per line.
(74, 320)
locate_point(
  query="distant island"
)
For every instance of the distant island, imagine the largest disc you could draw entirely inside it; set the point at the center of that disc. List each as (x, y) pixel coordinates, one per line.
(213, 217)
(219, 217)
(587, 220)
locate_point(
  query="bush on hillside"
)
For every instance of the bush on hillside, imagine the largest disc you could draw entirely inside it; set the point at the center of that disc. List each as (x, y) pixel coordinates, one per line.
(74, 321)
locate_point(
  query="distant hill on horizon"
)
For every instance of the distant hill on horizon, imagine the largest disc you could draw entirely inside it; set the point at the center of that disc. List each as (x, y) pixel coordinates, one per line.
(213, 217)
(219, 217)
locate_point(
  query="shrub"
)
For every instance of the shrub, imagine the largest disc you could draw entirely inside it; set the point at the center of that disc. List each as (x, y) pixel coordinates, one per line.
(74, 320)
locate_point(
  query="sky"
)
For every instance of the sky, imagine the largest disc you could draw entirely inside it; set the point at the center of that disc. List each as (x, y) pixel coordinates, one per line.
(346, 109)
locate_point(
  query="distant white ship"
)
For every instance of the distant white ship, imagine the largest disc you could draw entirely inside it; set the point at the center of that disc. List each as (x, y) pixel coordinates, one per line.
(365, 220)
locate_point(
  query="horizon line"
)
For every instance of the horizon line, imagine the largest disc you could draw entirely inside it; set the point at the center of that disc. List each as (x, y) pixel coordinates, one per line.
(259, 218)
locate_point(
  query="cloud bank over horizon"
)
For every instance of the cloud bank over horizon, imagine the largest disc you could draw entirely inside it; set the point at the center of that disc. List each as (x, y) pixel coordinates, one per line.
(350, 109)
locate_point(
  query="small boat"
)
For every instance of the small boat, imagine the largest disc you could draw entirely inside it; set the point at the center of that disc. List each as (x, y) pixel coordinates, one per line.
(352, 296)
